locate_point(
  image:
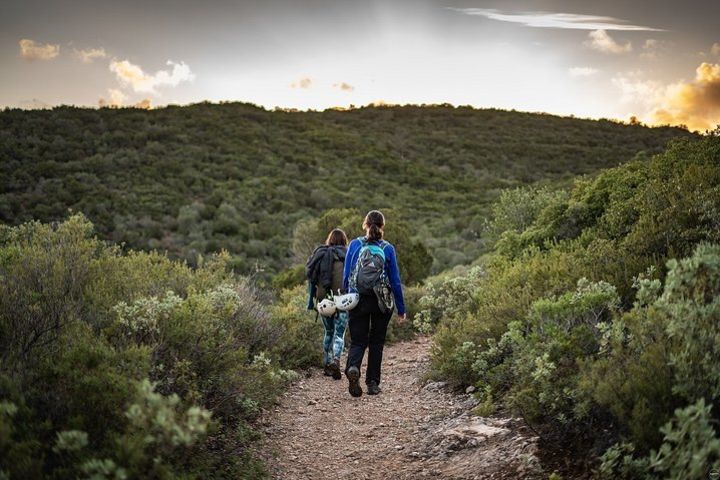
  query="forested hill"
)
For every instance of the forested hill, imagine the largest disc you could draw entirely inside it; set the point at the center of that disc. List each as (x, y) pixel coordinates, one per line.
(200, 178)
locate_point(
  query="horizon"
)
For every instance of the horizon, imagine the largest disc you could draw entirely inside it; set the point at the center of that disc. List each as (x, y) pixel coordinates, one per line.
(574, 59)
(349, 108)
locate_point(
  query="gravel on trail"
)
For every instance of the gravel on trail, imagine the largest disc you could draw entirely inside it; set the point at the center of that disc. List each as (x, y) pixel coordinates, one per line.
(414, 429)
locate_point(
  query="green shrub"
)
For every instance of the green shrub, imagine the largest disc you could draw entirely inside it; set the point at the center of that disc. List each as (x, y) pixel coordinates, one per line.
(289, 278)
(663, 354)
(690, 450)
(446, 297)
(546, 349)
(300, 332)
(505, 294)
(517, 209)
(635, 342)
(691, 303)
(113, 364)
(691, 446)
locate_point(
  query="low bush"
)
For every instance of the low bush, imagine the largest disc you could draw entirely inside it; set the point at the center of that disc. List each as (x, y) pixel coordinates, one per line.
(596, 318)
(130, 365)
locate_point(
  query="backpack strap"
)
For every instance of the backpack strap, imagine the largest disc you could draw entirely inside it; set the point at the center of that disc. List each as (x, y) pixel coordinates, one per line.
(364, 241)
(376, 248)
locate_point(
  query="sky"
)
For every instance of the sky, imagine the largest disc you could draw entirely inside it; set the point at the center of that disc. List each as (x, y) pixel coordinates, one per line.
(657, 60)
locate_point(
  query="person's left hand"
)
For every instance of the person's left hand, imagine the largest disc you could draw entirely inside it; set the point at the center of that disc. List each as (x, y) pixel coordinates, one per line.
(401, 318)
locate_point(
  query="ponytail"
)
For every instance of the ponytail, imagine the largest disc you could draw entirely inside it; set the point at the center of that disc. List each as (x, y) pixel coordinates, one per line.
(374, 232)
(373, 225)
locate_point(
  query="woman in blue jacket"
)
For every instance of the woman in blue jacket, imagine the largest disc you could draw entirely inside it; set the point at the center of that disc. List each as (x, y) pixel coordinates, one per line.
(368, 322)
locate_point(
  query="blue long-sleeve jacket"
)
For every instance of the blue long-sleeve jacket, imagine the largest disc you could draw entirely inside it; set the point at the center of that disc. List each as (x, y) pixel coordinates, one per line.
(391, 268)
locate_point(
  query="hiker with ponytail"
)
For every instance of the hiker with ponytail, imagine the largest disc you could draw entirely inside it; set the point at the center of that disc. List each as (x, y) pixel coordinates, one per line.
(371, 270)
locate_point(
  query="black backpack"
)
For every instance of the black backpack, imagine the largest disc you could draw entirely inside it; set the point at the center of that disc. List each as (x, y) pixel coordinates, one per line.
(369, 272)
(318, 268)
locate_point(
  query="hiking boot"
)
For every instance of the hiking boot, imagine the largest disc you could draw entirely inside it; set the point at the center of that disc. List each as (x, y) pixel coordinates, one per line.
(373, 388)
(334, 369)
(353, 376)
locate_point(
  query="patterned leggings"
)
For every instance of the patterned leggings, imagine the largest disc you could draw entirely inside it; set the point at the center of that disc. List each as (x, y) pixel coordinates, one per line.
(334, 341)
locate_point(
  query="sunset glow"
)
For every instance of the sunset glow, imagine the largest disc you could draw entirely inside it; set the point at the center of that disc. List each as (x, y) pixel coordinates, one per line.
(612, 60)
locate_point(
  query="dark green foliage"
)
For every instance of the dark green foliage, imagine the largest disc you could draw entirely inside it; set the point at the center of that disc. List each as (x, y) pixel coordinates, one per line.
(132, 365)
(197, 179)
(302, 331)
(584, 324)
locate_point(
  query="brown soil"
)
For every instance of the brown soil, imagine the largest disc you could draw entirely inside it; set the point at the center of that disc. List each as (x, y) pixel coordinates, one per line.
(412, 430)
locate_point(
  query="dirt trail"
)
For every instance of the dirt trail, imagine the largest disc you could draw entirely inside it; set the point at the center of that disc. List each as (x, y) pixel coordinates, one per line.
(412, 430)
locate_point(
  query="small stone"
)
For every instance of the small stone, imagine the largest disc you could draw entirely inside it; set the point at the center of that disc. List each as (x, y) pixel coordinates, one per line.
(435, 386)
(399, 447)
(312, 402)
(470, 389)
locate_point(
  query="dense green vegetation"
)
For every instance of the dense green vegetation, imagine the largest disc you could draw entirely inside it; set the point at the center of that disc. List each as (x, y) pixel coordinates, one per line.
(197, 179)
(588, 305)
(129, 365)
(596, 317)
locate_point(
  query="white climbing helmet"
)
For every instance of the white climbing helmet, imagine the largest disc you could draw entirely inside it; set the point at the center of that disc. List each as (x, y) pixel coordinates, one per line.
(326, 308)
(347, 302)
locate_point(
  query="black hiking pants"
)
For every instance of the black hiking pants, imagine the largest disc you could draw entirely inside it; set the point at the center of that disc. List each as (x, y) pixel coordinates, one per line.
(368, 326)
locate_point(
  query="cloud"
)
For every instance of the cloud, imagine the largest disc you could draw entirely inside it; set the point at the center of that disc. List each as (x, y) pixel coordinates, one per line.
(345, 87)
(601, 41)
(582, 71)
(116, 99)
(651, 44)
(653, 47)
(694, 103)
(32, 50)
(556, 20)
(305, 82)
(715, 49)
(134, 76)
(87, 56)
(638, 90)
(145, 103)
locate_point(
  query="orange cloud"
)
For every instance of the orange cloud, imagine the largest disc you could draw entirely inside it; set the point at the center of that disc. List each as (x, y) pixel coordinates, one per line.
(134, 76)
(87, 56)
(32, 50)
(345, 87)
(695, 104)
(305, 82)
(600, 40)
(381, 103)
(145, 103)
(116, 99)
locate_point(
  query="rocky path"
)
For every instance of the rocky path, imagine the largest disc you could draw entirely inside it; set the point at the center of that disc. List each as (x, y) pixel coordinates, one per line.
(412, 430)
